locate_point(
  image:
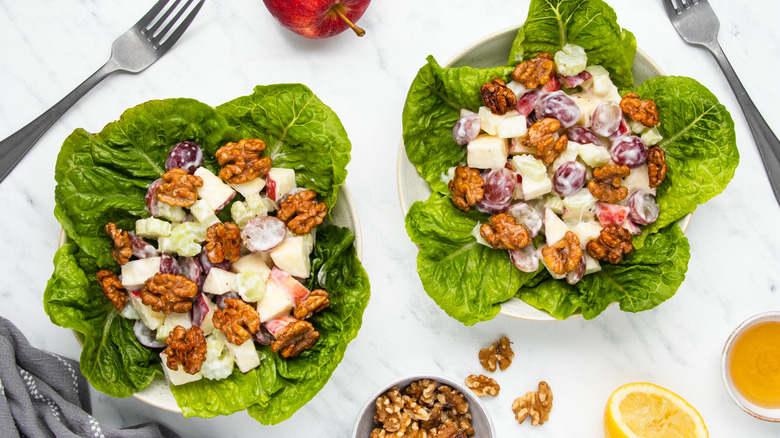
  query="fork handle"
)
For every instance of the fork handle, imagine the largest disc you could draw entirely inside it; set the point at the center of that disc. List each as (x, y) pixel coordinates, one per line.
(13, 148)
(766, 140)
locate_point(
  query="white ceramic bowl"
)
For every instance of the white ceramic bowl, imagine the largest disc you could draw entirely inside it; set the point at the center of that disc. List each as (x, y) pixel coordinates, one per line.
(480, 419)
(343, 214)
(491, 52)
(759, 412)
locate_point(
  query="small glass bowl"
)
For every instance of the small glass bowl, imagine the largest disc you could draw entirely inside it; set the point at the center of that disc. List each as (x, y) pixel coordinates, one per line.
(480, 419)
(759, 412)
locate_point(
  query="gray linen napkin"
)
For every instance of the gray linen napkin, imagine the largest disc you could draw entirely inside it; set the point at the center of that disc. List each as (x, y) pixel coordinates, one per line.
(45, 395)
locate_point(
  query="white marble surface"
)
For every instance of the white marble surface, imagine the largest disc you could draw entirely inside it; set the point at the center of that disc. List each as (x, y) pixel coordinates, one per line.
(47, 47)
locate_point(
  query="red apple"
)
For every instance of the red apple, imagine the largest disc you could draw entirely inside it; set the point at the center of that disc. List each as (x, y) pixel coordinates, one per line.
(318, 18)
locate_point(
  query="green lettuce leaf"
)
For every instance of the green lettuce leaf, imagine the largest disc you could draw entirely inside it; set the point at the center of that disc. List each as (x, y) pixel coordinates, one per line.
(467, 280)
(590, 24)
(644, 279)
(700, 145)
(302, 133)
(104, 177)
(432, 107)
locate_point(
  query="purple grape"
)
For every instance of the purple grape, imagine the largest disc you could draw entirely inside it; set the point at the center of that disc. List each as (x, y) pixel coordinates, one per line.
(643, 209)
(466, 129)
(220, 301)
(169, 265)
(559, 106)
(146, 336)
(606, 118)
(629, 150)
(186, 155)
(190, 268)
(263, 337)
(575, 275)
(525, 259)
(140, 248)
(582, 135)
(569, 178)
(577, 80)
(151, 198)
(499, 186)
(263, 233)
(206, 264)
(527, 103)
(528, 216)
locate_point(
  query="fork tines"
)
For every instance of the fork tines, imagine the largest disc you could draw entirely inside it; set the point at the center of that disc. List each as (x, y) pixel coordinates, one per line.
(680, 5)
(151, 23)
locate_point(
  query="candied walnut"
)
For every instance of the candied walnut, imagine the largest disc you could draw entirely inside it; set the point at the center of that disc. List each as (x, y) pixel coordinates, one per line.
(499, 352)
(565, 255)
(186, 348)
(540, 136)
(535, 71)
(223, 242)
(482, 385)
(315, 302)
(423, 391)
(169, 293)
(453, 399)
(643, 111)
(605, 184)
(467, 187)
(238, 320)
(112, 288)
(537, 405)
(301, 212)
(243, 161)
(179, 188)
(497, 97)
(656, 166)
(612, 243)
(504, 233)
(295, 338)
(121, 250)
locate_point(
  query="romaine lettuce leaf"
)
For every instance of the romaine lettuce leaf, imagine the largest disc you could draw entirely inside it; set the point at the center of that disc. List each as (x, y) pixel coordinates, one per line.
(432, 107)
(104, 177)
(700, 145)
(301, 132)
(590, 24)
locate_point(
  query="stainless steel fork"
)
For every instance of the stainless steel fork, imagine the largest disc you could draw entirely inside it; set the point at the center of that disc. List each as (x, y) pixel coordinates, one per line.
(133, 51)
(697, 23)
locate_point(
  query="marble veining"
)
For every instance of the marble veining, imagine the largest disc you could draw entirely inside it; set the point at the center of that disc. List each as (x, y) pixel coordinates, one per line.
(48, 47)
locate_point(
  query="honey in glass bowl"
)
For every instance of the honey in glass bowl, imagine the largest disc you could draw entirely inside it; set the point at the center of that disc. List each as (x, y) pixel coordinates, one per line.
(751, 366)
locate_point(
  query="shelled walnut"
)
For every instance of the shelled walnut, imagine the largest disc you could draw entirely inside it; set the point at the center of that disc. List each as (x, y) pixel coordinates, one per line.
(656, 166)
(541, 136)
(504, 233)
(243, 161)
(467, 187)
(315, 302)
(642, 111)
(301, 212)
(186, 348)
(497, 97)
(223, 242)
(605, 184)
(112, 288)
(535, 71)
(482, 385)
(565, 255)
(179, 188)
(238, 320)
(613, 242)
(500, 352)
(294, 338)
(536, 405)
(168, 293)
(121, 250)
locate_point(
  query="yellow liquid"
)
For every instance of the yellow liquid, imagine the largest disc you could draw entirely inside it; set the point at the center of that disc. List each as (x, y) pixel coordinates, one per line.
(754, 364)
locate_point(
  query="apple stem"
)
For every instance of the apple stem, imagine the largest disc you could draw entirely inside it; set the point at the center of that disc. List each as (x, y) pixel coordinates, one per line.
(359, 31)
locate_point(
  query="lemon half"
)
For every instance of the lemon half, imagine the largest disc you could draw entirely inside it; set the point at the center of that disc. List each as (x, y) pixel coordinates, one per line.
(644, 410)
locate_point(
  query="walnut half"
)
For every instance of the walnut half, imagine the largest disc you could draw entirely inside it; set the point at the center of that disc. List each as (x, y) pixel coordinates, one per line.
(499, 352)
(467, 187)
(238, 321)
(243, 161)
(293, 339)
(301, 212)
(112, 288)
(497, 97)
(168, 293)
(504, 233)
(186, 348)
(482, 385)
(536, 405)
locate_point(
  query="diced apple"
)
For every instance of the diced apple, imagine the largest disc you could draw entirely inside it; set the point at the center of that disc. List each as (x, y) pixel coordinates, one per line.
(638, 179)
(533, 189)
(587, 231)
(512, 126)
(292, 256)
(609, 214)
(245, 355)
(280, 182)
(593, 155)
(254, 261)
(149, 317)
(136, 272)
(581, 201)
(573, 217)
(219, 281)
(202, 313)
(632, 227)
(516, 147)
(528, 167)
(248, 188)
(478, 235)
(215, 192)
(488, 121)
(554, 227)
(570, 154)
(292, 287)
(171, 321)
(276, 325)
(487, 152)
(275, 302)
(591, 265)
(178, 377)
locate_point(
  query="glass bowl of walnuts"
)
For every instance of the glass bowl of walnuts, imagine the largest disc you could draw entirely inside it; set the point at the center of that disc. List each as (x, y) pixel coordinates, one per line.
(410, 405)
